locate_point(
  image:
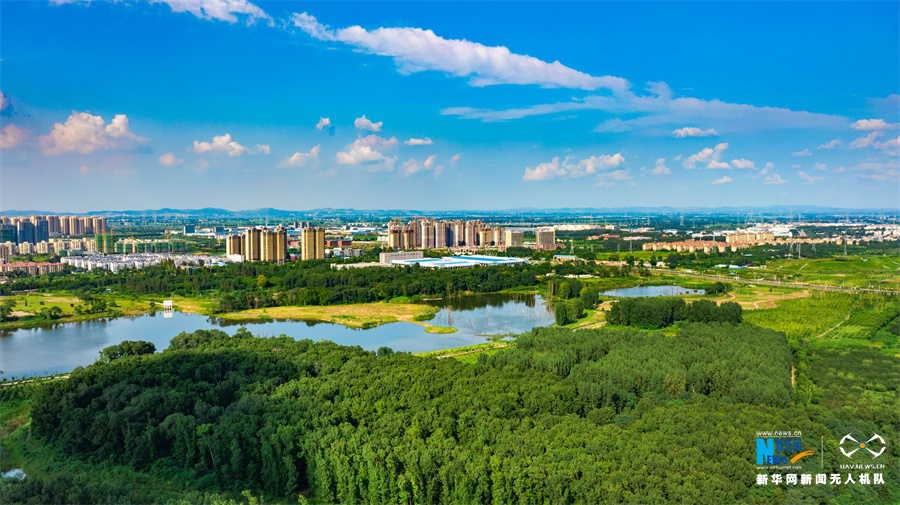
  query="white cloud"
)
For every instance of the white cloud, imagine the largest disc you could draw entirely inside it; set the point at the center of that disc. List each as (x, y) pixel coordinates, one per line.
(417, 50)
(661, 167)
(221, 143)
(431, 164)
(873, 124)
(820, 166)
(742, 163)
(810, 179)
(840, 170)
(544, 171)
(607, 179)
(723, 180)
(877, 170)
(581, 168)
(690, 131)
(408, 167)
(84, 133)
(221, 10)
(773, 179)
(593, 164)
(454, 159)
(299, 159)
(368, 151)
(659, 108)
(765, 170)
(708, 156)
(11, 136)
(891, 147)
(325, 125)
(866, 141)
(411, 166)
(419, 142)
(262, 149)
(805, 152)
(4, 101)
(169, 159)
(831, 144)
(364, 124)
(887, 175)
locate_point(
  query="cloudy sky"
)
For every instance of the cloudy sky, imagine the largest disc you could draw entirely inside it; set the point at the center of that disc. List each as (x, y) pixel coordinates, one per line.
(240, 105)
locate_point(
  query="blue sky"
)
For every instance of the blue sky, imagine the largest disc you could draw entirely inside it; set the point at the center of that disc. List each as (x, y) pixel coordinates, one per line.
(433, 106)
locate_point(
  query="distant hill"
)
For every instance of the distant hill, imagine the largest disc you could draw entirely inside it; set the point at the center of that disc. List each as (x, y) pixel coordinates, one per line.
(212, 212)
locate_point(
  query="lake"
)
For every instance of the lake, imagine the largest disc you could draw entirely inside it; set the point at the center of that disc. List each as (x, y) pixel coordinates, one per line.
(652, 291)
(62, 347)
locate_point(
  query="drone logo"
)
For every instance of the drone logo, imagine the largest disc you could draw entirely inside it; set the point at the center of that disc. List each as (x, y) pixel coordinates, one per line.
(862, 446)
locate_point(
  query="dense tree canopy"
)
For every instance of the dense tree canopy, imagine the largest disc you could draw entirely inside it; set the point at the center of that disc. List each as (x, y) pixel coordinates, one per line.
(598, 416)
(655, 313)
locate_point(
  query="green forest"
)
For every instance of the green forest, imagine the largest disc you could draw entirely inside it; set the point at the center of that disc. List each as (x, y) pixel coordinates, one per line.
(609, 415)
(656, 313)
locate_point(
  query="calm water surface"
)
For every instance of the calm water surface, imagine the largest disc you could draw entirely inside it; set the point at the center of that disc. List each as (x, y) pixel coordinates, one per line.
(652, 291)
(62, 347)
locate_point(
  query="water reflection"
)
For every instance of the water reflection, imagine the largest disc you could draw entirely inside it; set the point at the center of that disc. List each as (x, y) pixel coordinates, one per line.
(59, 348)
(651, 291)
(496, 314)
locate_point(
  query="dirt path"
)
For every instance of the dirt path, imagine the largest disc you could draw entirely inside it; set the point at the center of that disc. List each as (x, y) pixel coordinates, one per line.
(767, 302)
(592, 325)
(833, 327)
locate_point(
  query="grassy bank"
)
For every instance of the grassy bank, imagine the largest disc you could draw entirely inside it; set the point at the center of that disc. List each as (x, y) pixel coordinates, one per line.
(468, 353)
(360, 315)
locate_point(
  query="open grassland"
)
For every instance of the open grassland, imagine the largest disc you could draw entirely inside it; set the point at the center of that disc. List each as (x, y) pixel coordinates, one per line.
(28, 308)
(438, 329)
(760, 297)
(833, 319)
(851, 271)
(360, 315)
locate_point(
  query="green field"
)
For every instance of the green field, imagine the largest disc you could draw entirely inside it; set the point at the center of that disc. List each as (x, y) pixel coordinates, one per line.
(882, 272)
(831, 319)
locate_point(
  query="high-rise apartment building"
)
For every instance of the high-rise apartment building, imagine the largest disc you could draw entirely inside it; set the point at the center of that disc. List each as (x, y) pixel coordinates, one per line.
(233, 245)
(54, 224)
(313, 247)
(41, 231)
(432, 234)
(250, 244)
(497, 236)
(8, 233)
(513, 238)
(25, 232)
(273, 245)
(546, 238)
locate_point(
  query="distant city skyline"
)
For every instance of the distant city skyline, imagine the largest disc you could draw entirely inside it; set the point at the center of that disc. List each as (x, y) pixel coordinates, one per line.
(440, 106)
